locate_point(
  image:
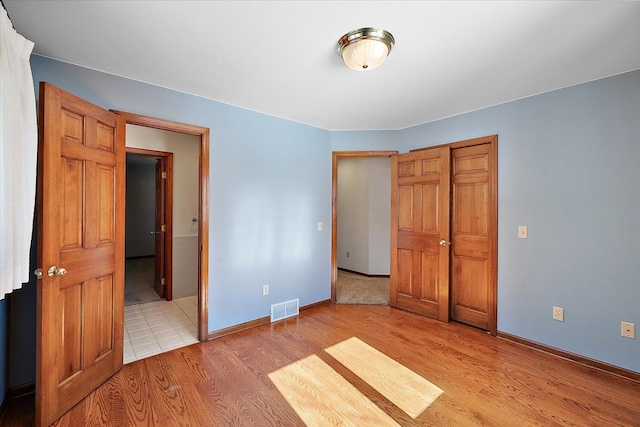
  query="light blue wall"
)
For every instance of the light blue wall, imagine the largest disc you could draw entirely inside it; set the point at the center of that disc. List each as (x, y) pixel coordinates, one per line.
(569, 169)
(270, 185)
(380, 140)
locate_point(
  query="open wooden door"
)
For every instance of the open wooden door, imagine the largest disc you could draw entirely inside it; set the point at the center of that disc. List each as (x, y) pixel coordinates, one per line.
(160, 280)
(80, 250)
(420, 183)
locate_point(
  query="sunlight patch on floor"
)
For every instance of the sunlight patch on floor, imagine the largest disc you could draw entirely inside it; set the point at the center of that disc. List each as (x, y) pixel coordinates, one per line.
(403, 387)
(321, 396)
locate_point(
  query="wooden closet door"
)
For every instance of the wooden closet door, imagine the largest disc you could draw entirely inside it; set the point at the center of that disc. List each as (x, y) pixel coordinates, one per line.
(420, 232)
(473, 230)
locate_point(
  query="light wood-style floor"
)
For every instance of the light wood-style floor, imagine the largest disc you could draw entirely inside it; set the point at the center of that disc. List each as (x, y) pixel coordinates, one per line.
(484, 380)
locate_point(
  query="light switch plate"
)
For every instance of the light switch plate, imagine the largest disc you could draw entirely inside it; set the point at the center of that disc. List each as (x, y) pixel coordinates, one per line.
(522, 231)
(319, 226)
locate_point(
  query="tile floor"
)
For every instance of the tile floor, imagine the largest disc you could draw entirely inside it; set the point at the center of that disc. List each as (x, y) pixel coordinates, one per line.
(138, 281)
(159, 326)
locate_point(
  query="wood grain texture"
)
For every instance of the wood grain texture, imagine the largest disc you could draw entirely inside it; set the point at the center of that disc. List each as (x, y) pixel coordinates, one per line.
(471, 157)
(322, 397)
(79, 342)
(420, 184)
(473, 229)
(486, 381)
(406, 389)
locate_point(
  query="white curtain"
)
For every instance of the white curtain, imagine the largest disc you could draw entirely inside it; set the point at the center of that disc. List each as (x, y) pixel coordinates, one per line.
(18, 156)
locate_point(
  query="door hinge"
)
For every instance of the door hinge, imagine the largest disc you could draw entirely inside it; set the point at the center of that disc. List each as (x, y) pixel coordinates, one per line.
(164, 175)
(163, 227)
(163, 281)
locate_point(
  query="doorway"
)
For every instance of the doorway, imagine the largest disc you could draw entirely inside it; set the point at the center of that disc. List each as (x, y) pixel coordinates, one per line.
(201, 223)
(351, 270)
(162, 214)
(149, 226)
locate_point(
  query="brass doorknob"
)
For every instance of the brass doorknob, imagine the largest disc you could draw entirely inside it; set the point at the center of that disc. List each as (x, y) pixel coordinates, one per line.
(442, 242)
(55, 271)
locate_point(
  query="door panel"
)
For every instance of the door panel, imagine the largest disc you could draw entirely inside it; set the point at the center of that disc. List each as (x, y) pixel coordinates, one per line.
(419, 220)
(430, 272)
(472, 286)
(404, 269)
(430, 220)
(71, 308)
(99, 328)
(405, 210)
(471, 218)
(72, 177)
(105, 200)
(80, 229)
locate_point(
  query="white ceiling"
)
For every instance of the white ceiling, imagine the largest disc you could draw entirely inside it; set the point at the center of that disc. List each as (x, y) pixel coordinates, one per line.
(279, 57)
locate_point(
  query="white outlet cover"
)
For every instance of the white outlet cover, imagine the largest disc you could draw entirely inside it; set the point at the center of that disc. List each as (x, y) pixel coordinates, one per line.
(558, 313)
(522, 231)
(628, 330)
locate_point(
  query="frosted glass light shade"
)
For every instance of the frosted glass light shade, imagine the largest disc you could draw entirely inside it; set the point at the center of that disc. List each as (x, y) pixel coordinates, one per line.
(365, 49)
(365, 55)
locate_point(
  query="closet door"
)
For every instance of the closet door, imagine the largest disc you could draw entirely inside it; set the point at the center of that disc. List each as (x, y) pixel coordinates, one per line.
(420, 232)
(444, 232)
(473, 231)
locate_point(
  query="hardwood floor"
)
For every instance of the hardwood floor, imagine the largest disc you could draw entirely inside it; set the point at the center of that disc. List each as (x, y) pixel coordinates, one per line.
(485, 380)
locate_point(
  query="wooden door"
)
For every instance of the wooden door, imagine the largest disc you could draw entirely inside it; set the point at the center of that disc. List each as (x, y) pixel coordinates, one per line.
(473, 229)
(420, 232)
(160, 280)
(81, 242)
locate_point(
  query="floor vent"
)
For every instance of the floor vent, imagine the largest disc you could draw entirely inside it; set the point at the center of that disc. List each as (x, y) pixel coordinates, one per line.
(285, 309)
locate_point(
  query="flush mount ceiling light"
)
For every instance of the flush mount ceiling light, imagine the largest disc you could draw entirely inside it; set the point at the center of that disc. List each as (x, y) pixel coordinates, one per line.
(365, 49)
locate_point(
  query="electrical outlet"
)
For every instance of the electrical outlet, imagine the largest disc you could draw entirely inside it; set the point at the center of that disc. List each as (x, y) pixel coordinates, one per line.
(347, 254)
(265, 289)
(558, 313)
(628, 330)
